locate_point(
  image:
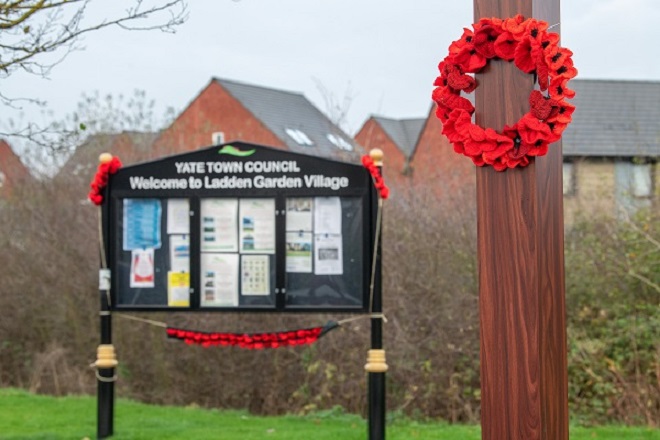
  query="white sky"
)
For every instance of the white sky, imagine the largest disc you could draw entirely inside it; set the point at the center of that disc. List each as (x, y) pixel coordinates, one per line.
(383, 52)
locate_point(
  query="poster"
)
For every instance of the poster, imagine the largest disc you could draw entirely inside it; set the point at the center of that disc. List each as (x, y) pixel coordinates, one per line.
(178, 289)
(257, 226)
(219, 225)
(327, 215)
(255, 275)
(299, 252)
(142, 268)
(141, 224)
(328, 254)
(178, 216)
(299, 213)
(219, 273)
(179, 253)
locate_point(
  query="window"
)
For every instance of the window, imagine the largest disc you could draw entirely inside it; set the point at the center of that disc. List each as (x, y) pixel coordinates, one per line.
(218, 138)
(634, 179)
(299, 136)
(641, 180)
(2, 179)
(339, 142)
(568, 172)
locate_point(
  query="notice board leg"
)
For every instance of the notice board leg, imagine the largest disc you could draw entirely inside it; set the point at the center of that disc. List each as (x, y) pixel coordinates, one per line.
(105, 373)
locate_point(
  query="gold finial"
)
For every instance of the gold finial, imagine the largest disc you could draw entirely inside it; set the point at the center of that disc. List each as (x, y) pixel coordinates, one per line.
(377, 156)
(376, 361)
(105, 357)
(105, 157)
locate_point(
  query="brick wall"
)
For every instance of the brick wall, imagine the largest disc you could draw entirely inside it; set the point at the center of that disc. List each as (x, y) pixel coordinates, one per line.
(213, 110)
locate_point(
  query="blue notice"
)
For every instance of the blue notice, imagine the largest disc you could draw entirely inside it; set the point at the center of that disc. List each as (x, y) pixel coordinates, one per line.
(142, 224)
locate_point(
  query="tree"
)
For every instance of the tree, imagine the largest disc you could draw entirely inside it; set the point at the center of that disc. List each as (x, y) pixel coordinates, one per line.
(37, 35)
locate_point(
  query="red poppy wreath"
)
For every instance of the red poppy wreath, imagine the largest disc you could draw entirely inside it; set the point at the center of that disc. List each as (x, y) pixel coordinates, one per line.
(533, 50)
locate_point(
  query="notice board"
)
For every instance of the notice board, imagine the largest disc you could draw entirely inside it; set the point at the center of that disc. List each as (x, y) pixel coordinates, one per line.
(240, 227)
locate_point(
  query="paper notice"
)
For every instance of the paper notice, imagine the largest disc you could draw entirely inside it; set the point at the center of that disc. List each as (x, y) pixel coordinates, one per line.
(327, 215)
(219, 228)
(328, 258)
(141, 224)
(255, 275)
(142, 268)
(219, 280)
(299, 252)
(179, 253)
(178, 289)
(178, 216)
(257, 226)
(299, 213)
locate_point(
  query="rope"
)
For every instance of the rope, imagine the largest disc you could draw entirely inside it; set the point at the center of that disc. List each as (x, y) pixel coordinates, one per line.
(104, 263)
(146, 321)
(105, 379)
(373, 263)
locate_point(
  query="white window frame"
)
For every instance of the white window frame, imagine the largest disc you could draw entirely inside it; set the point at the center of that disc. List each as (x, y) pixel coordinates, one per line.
(299, 136)
(218, 137)
(339, 142)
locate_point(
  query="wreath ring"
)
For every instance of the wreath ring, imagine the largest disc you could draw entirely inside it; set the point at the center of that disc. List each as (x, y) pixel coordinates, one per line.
(533, 50)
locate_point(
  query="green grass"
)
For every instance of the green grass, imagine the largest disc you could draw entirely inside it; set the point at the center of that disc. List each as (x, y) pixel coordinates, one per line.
(30, 417)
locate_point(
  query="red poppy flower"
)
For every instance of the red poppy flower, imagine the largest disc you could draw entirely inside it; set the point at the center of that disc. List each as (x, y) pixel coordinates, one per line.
(456, 124)
(505, 46)
(559, 88)
(465, 40)
(516, 26)
(564, 113)
(502, 145)
(524, 55)
(556, 56)
(536, 29)
(532, 130)
(469, 59)
(484, 40)
(566, 70)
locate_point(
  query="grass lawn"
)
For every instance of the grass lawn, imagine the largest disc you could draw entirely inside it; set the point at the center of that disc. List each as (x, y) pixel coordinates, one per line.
(29, 417)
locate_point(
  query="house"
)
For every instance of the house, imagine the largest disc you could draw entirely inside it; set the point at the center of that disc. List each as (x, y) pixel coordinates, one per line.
(612, 147)
(228, 110)
(610, 150)
(397, 138)
(12, 170)
(129, 146)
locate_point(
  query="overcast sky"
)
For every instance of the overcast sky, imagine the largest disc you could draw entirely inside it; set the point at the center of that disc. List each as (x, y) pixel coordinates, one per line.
(381, 53)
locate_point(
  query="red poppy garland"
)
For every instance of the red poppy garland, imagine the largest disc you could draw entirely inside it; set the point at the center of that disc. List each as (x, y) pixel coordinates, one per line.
(533, 50)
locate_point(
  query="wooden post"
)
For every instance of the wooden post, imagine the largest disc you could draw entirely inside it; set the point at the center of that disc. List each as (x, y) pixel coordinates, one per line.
(524, 391)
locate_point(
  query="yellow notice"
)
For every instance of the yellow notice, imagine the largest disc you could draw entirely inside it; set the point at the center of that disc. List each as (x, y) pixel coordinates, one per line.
(178, 289)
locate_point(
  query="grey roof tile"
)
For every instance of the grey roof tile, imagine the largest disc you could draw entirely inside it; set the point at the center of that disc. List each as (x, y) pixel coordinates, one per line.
(280, 110)
(614, 118)
(403, 132)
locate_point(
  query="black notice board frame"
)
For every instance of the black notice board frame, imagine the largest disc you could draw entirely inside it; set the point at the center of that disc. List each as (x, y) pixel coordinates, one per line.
(301, 175)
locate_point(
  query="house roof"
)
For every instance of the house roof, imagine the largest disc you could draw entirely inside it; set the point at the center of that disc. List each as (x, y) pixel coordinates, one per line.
(403, 132)
(286, 114)
(12, 169)
(85, 158)
(614, 118)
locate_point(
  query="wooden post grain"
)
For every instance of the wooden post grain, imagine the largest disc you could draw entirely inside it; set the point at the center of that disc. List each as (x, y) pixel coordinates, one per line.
(521, 262)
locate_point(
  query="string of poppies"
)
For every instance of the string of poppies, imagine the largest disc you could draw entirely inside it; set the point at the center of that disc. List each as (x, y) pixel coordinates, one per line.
(109, 165)
(251, 341)
(379, 182)
(533, 50)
